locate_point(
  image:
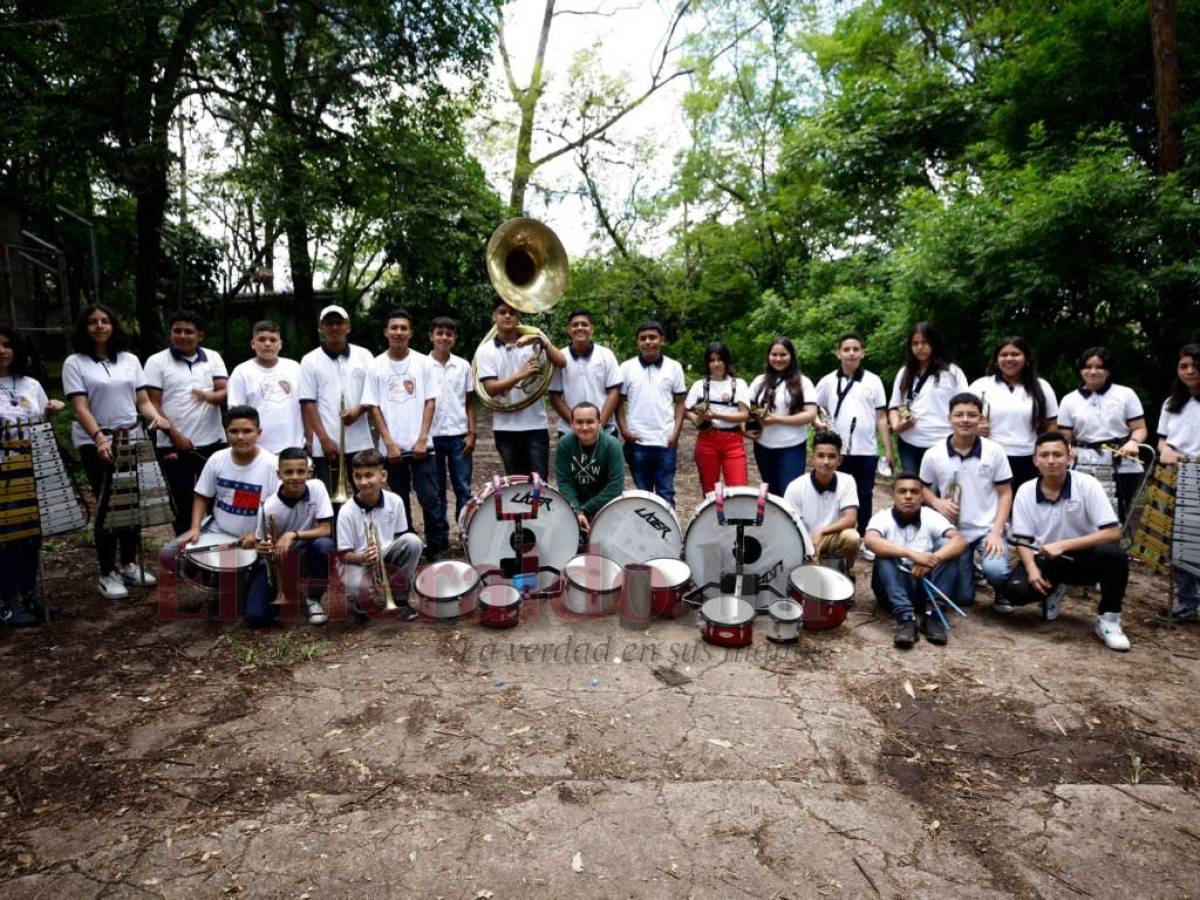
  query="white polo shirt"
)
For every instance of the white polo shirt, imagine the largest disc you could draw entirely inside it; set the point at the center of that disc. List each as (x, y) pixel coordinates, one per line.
(588, 377)
(1103, 416)
(176, 376)
(301, 514)
(928, 398)
(650, 390)
(1182, 429)
(922, 533)
(237, 490)
(780, 404)
(275, 393)
(451, 385)
(387, 515)
(983, 467)
(854, 401)
(399, 388)
(1082, 508)
(111, 387)
(21, 399)
(1010, 411)
(497, 360)
(724, 396)
(816, 506)
(323, 379)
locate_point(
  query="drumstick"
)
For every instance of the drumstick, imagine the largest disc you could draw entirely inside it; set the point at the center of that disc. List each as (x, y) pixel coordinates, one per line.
(192, 548)
(930, 585)
(1028, 545)
(936, 607)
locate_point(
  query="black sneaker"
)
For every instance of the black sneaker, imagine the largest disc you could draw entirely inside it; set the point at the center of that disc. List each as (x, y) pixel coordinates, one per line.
(934, 631)
(14, 615)
(405, 613)
(905, 634)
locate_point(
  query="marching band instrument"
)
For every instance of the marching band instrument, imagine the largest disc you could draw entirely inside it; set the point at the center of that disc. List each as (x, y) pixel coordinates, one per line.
(786, 616)
(19, 517)
(1185, 533)
(823, 594)
(341, 495)
(825, 421)
(60, 508)
(217, 561)
(546, 534)
(727, 622)
(954, 495)
(274, 564)
(635, 527)
(754, 424)
(134, 494)
(448, 589)
(528, 268)
(592, 585)
(379, 577)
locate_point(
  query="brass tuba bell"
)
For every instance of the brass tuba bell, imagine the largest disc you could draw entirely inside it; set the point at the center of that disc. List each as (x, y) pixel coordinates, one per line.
(528, 268)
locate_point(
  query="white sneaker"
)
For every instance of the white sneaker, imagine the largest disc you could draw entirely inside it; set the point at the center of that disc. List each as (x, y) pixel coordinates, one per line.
(1108, 629)
(316, 613)
(112, 587)
(135, 574)
(866, 554)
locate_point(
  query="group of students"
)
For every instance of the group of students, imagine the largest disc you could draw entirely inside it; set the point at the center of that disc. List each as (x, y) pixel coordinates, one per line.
(979, 437)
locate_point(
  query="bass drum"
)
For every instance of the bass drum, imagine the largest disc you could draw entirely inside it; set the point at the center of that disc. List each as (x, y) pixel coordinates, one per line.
(635, 527)
(553, 536)
(772, 549)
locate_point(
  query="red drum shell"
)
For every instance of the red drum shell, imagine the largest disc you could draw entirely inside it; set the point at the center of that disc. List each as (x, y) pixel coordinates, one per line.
(499, 606)
(727, 622)
(670, 581)
(824, 594)
(591, 585)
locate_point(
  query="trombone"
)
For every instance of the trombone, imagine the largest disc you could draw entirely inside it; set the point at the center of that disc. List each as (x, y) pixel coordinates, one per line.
(379, 577)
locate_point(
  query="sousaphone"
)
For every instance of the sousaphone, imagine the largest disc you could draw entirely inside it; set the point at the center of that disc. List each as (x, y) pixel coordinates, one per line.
(527, 266)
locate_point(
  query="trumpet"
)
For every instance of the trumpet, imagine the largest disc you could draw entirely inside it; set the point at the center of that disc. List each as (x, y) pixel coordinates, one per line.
(754, 424)
(954, 495)
(701, 409)
(275, 565)
(824, 419)
(379, 578)
(342, 493)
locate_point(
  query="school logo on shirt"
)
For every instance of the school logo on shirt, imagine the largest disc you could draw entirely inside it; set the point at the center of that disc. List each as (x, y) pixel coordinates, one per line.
(276, 391)
(401, 387)
(237, 498)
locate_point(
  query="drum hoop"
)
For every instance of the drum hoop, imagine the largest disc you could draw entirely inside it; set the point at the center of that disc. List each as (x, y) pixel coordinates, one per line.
(194, 552)
(512, 597)
(656, 568)
(430, 571)
(748, 613)
(844, 580)
(606, 565)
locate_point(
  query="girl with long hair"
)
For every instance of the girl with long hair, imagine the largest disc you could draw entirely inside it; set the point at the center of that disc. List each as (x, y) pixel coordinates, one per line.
(105, 386)
(1179, 441)
(717, 405)
(1018, 405)
(919, 409)
(790, 403)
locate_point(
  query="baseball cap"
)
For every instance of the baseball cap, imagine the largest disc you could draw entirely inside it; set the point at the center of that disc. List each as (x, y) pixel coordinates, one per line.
(333, 309)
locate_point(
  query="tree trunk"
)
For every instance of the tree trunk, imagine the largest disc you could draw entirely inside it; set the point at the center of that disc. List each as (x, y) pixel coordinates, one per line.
(1167, 102)
(151, 212)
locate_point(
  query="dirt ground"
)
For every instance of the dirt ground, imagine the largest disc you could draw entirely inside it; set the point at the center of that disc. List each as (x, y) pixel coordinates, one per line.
(143, 756)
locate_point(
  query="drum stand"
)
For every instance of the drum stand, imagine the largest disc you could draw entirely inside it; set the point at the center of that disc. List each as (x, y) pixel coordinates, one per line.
(521, 569)
(738, 583)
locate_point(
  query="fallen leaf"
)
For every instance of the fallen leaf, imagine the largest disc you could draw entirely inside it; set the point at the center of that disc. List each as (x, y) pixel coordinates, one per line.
(577, 862)
(720, 743)
(908, 689)
(521, 730)
(930, 687)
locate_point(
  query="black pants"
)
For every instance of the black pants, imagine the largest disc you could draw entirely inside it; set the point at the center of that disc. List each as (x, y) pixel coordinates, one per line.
(1127, 485)
(107, 542)
(1107, 564)
(1023, 470)
(862, 470)
(523, 452)
(181, 469)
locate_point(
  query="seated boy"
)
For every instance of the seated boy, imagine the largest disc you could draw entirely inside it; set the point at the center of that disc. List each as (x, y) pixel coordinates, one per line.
(233, 482)
(968, 480)
(827, 501)
(378, 511)
(910, 531)
(303, 518)
(1068, 517)
(588, 464)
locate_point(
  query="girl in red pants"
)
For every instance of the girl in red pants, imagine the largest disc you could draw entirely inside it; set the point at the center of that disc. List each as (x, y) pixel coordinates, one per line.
(717, 405)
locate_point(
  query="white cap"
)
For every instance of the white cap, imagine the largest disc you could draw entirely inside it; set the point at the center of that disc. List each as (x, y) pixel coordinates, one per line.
(330, 310)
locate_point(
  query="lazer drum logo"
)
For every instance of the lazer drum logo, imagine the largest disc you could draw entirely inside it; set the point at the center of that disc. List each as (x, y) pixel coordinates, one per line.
(653, 521)
(526, 499)
(769, 576)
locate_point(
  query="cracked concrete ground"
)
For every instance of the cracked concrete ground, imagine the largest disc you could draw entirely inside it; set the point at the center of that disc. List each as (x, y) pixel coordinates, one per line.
(182, 759)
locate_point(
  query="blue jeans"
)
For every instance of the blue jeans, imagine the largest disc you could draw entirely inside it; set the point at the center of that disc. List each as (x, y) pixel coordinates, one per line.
(910, 456)
(448, 459)
(415, 474)
(995, 570)
(19, 563)
(653, 469)
(312, 558)
(902, 594)
(780, 466)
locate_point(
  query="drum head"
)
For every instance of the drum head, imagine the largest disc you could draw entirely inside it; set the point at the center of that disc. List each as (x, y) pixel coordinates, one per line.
(772, 549)
(669, 573)
(553, 536)
(446, 580)
(785, 611)
(228, 559)
(501, 596)
(724, 610)
(822, 584)
(594, 573)
(635, 527)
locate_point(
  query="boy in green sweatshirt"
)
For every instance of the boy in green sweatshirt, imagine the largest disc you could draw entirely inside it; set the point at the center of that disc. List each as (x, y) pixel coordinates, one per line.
(588, 464)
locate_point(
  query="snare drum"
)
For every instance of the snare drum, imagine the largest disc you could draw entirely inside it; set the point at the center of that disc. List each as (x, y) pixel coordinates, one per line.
(447, 589)
(824, 594)
(635, 527)
(553, 536)
(727, 622)
(785, 622)
(772, 549)
(591, 585)
(214, 560)
(499, 606)
(670, 580)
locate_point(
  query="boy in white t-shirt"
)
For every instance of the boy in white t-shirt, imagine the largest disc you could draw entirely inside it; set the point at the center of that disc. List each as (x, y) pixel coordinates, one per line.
(651, 417)
(826, 500)
(186, 383)
(302, 517)
(930, 545)
(271, 384)
(374, 507)
(453, 428)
